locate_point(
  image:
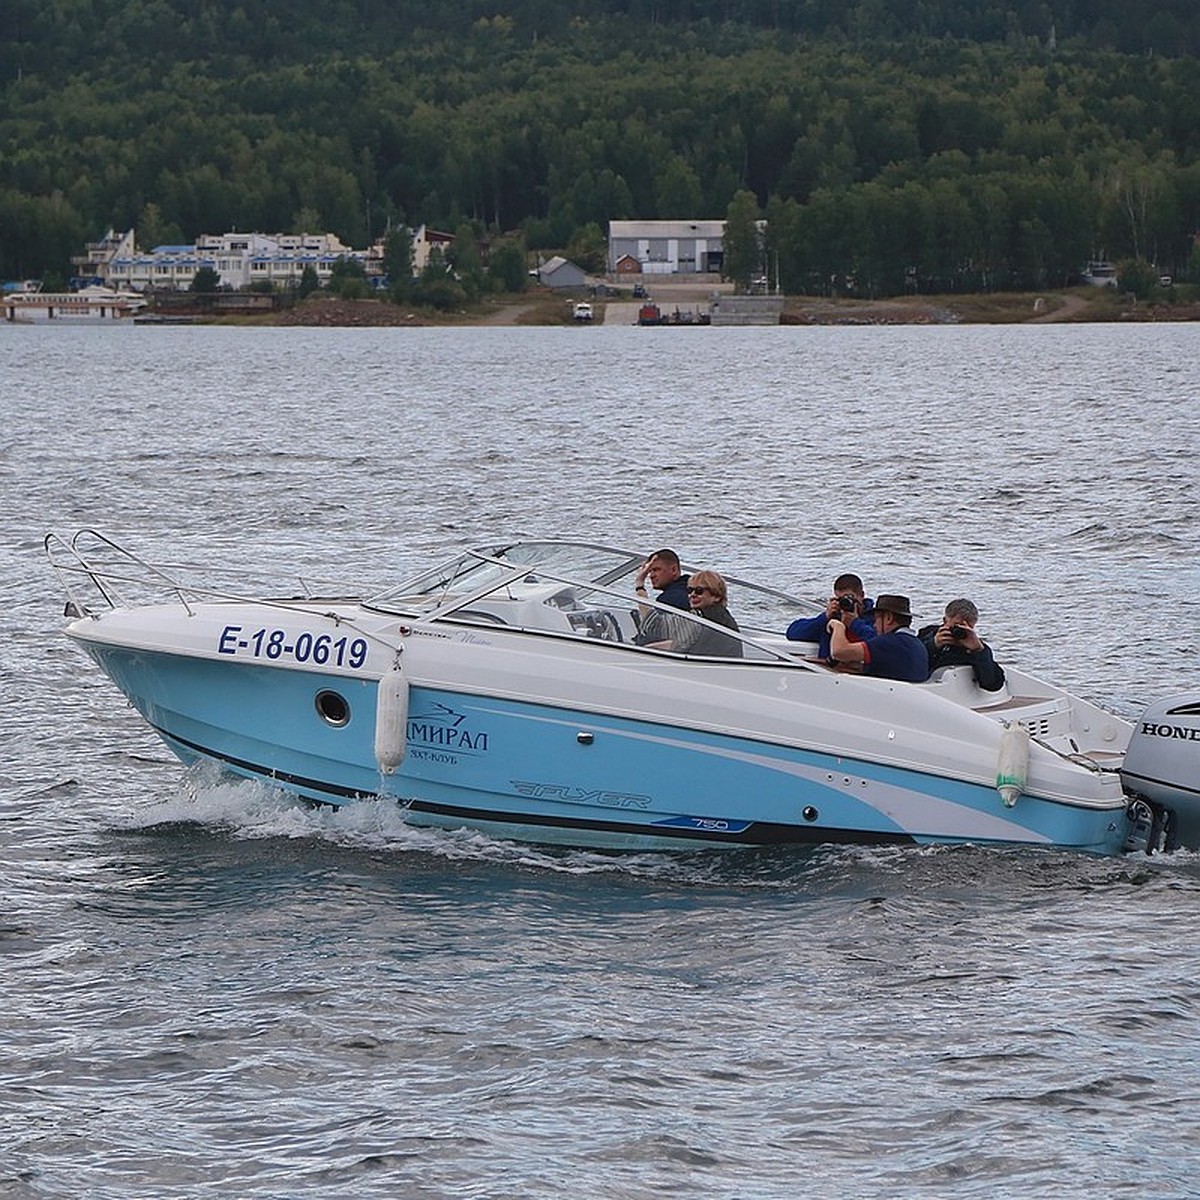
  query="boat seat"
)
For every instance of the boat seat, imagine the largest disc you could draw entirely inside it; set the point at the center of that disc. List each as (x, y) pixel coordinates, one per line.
(958, 684)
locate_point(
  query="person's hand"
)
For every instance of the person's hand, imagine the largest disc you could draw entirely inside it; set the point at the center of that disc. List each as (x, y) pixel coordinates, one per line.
(643, 571)
(967, 638)
(971, 642)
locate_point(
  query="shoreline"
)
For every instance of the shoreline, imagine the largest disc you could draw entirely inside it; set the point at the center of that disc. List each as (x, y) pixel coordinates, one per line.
(1073, 306)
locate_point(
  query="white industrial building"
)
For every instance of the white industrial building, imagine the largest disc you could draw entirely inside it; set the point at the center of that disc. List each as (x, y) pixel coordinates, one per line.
(665, 247)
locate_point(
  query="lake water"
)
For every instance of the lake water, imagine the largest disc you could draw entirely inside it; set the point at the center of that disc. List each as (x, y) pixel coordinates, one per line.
(211, 991)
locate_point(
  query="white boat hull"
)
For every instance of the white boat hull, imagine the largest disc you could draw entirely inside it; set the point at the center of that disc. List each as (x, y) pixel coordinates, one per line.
(526, 709)
(608, 760)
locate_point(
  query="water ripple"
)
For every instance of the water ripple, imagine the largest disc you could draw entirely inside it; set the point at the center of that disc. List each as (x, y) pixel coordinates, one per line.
(211, 989)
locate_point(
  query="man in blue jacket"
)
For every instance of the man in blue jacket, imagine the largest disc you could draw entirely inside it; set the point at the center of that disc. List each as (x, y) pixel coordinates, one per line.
(895, 652)
(849, 605)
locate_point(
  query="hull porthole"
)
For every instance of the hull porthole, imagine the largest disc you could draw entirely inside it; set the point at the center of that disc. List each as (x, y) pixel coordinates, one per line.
(333, 708)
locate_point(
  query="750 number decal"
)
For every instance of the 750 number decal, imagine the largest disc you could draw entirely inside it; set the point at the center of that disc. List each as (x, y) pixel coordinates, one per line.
(318, 648)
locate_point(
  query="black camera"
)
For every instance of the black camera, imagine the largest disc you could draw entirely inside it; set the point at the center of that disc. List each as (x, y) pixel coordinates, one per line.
(846, 603)
(959, 632)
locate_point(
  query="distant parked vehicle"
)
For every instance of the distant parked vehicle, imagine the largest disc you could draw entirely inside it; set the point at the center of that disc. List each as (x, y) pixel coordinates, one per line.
(582, 311)
(639, 291)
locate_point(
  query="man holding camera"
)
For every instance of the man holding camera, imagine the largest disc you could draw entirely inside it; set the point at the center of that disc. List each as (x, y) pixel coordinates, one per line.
(955, 643)
(848, 605)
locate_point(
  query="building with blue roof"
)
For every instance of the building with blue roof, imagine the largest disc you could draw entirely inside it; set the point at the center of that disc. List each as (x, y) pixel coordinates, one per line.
(239, 260)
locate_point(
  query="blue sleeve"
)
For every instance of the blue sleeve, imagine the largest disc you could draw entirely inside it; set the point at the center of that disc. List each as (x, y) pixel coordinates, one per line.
(809, 629)
(862, 629)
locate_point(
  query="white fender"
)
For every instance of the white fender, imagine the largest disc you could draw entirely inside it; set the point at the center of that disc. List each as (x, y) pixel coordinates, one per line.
(1012, 765)
(391, 719)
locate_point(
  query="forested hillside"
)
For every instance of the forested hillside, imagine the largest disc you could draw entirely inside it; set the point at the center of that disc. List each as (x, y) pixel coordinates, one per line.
(893, 144)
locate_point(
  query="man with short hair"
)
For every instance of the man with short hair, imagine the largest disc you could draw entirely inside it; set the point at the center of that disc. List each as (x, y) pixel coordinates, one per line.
(955, 643)
(895, 652)
(847, 604)
(663, 570)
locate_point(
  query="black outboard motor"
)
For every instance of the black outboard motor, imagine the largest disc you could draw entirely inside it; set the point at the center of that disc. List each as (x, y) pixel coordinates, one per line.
(1163, 763)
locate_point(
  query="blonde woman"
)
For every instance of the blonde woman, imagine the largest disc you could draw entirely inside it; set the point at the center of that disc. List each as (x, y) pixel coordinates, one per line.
(708, 598)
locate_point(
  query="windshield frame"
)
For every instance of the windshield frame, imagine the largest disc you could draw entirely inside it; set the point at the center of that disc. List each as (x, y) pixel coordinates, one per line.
(484, 571)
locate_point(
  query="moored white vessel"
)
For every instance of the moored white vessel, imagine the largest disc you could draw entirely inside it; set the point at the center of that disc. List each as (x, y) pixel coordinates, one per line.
(91, 304)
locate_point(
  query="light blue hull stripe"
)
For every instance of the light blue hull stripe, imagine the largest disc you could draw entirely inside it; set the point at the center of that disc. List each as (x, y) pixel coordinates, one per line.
(524, 770)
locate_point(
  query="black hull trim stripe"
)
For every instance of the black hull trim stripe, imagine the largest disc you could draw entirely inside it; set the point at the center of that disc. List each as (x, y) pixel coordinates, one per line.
(759, 833)
(271, 776)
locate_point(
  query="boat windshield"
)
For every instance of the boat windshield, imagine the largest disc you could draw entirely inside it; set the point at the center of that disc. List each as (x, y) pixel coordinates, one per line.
(478, 569)
(574, 587)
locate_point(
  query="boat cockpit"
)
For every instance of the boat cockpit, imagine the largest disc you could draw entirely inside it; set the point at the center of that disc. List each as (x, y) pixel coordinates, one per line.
(582, 590)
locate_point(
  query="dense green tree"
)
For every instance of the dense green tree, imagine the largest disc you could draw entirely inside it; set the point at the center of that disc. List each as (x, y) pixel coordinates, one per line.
(309, 281)
(347, 268)
(588, 248)
(348, 279)
(306, 220)
(677, 192)
(742, 245)
(38, 234)
(438, 289)
(507, 266)
(1137, 277)
(466, 261)
(153, 229)
(957, 141)
(398, 263)
(205, 280)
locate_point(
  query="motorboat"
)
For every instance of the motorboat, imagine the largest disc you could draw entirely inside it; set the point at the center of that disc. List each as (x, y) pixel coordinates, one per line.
(507, 690)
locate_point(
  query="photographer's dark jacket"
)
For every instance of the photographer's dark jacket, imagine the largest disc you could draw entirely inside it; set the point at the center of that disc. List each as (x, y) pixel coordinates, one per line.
(989, 674)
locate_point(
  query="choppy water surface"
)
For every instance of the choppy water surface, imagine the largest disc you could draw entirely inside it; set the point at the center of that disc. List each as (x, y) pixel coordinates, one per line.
(209, 990)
